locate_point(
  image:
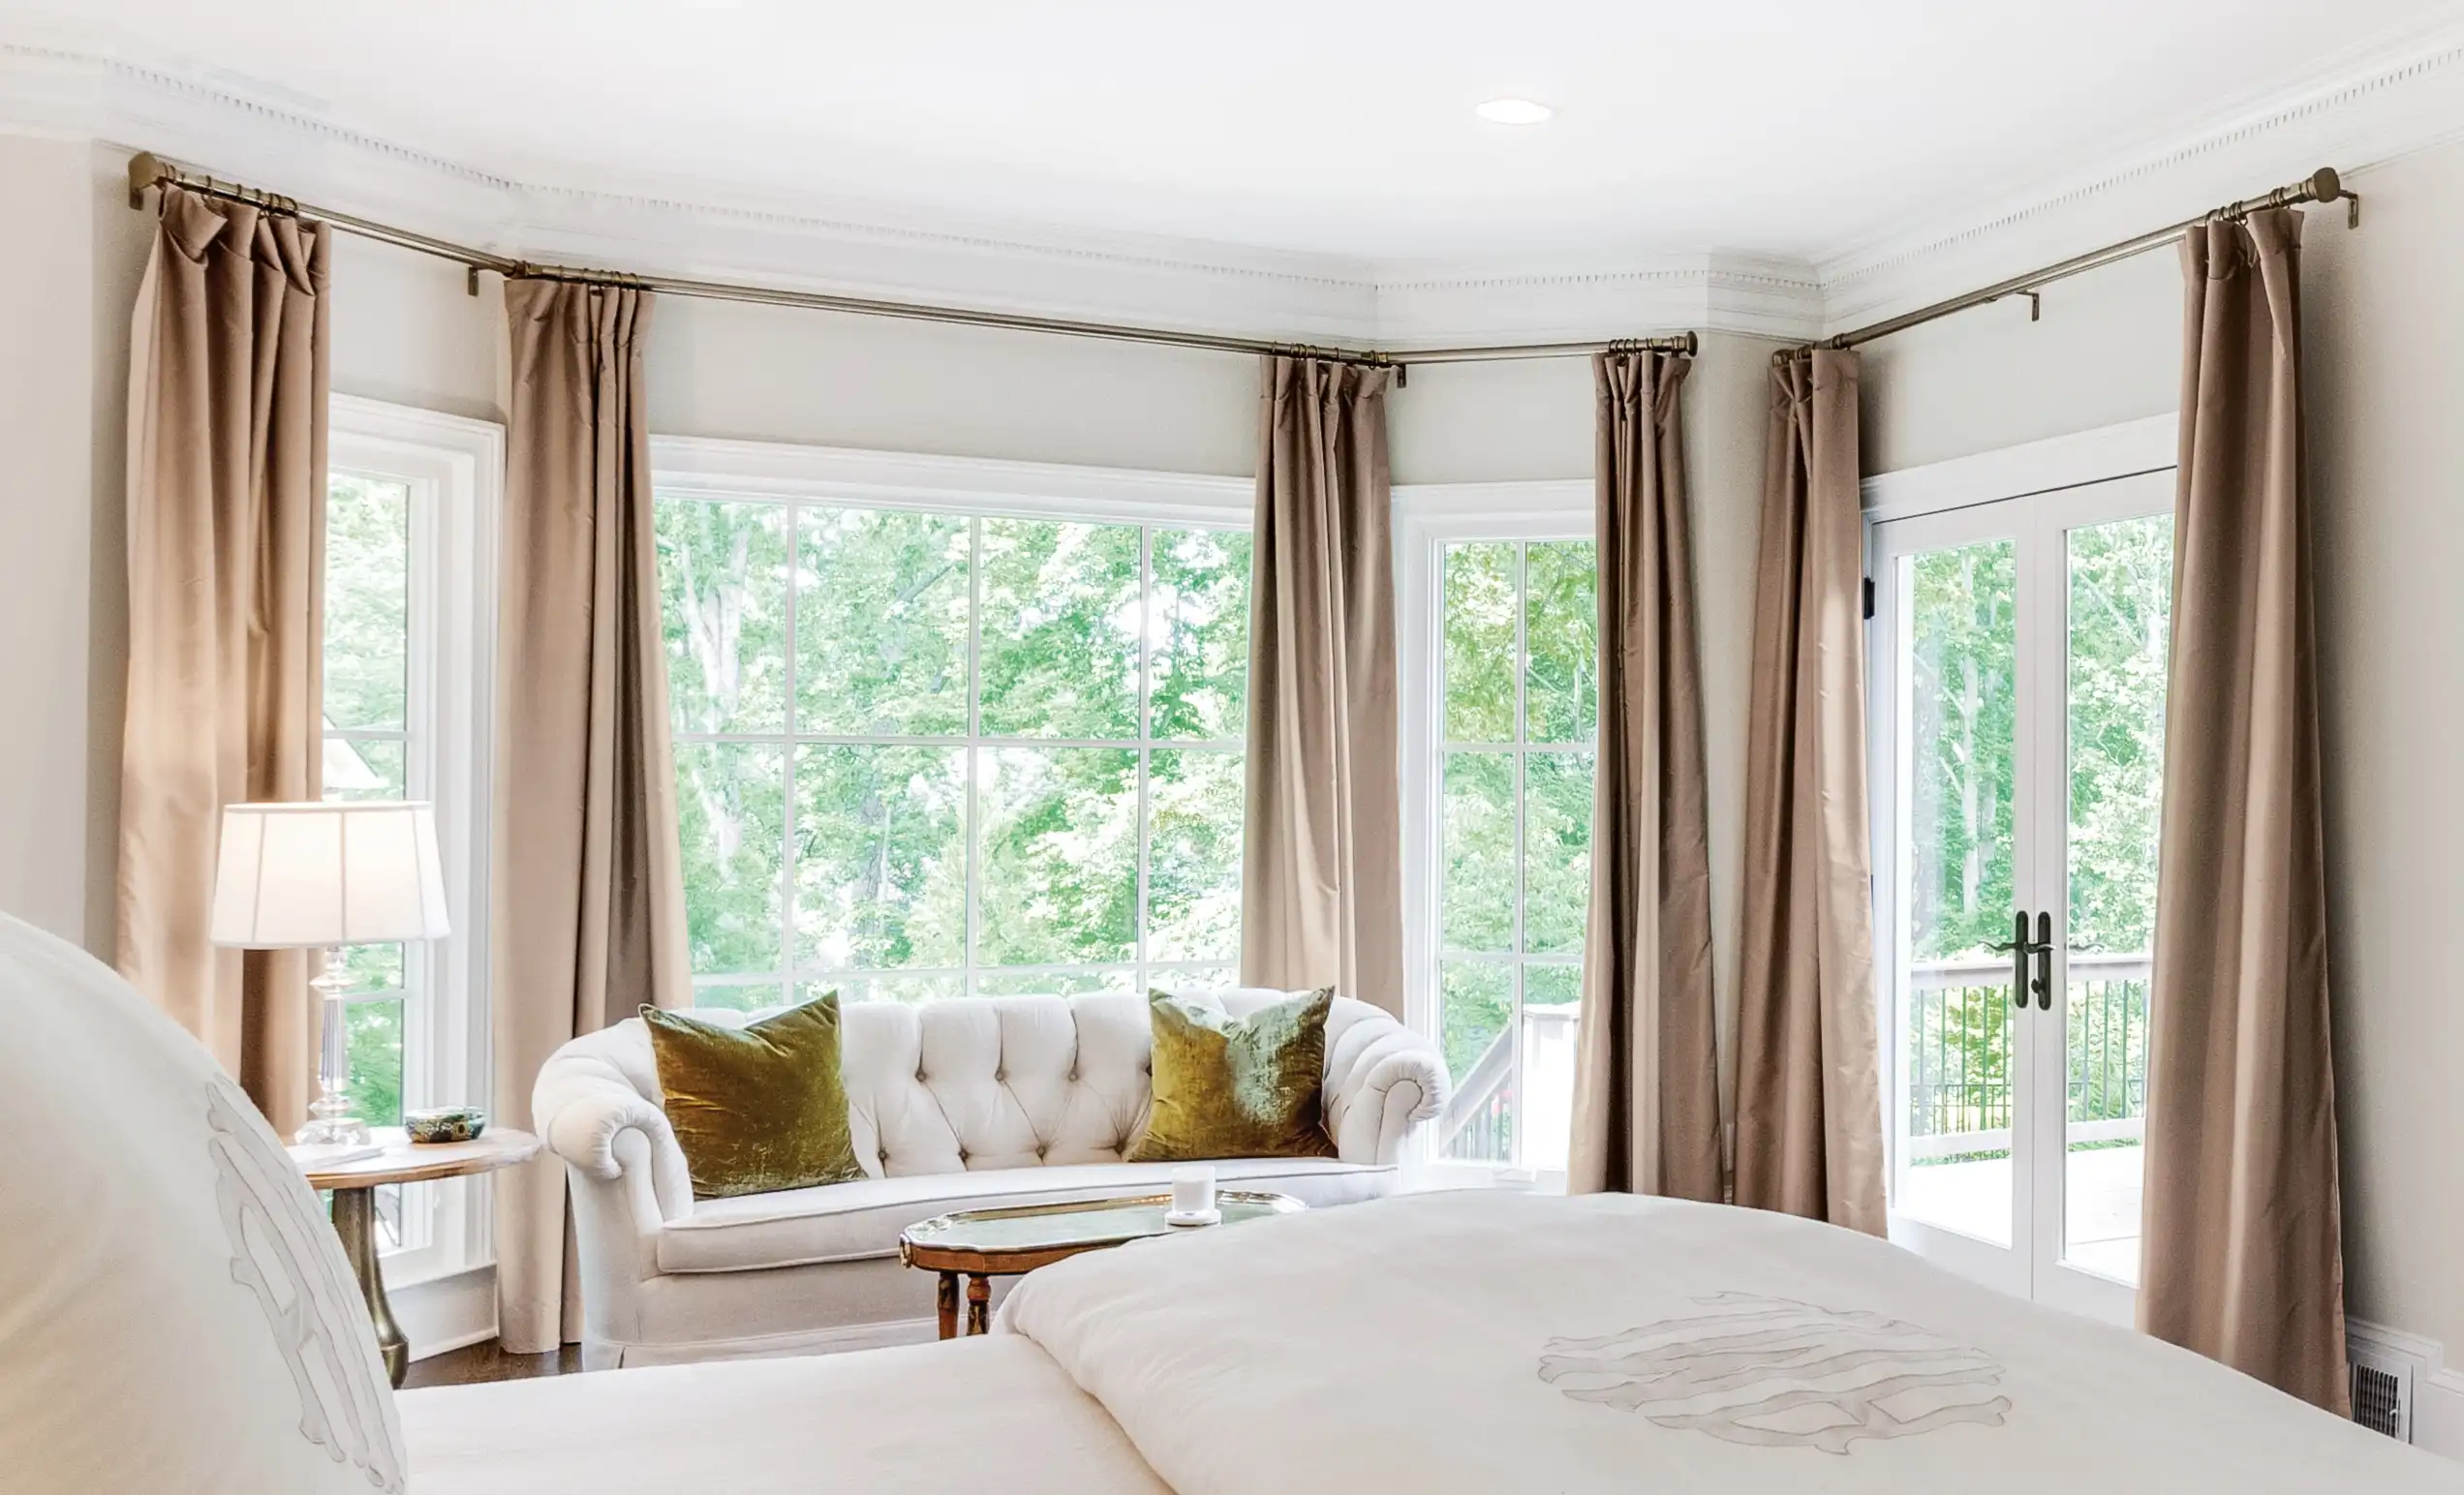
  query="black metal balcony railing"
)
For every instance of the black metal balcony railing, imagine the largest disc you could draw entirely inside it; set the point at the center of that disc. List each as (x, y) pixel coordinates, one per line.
(1956, 1049)
(1956, 1055)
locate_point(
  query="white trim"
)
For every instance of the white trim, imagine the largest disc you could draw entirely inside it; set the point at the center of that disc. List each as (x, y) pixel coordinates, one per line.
(445, 1313)
(701, 467)
(455, 468)
(2072, 460)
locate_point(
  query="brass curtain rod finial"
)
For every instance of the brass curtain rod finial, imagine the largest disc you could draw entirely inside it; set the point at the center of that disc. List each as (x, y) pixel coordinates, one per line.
(146, 169)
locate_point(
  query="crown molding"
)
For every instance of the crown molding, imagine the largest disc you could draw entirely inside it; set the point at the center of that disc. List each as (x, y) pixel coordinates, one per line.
(1762, 297)
(2355, 116)
(2362, 113)
(60, 89)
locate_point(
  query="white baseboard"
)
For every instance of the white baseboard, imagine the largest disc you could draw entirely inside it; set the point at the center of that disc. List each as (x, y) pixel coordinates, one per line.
(445, 1313)
(2438, 1392)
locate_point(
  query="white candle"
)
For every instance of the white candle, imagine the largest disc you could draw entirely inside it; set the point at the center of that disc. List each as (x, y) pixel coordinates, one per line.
(1193, 1189)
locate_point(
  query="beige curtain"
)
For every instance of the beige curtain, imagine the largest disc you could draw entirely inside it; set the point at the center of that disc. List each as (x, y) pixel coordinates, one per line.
(1321, 875)
(2241, 1257)
(589, 885)
(225, 562)
(1808, 1085)
(1647, 1086)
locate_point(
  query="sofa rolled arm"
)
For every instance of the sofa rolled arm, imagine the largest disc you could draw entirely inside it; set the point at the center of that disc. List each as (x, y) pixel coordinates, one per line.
(1382, 1080)
(582, 1103)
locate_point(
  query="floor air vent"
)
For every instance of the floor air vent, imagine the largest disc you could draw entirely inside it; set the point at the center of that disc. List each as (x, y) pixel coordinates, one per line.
(2383, 1398)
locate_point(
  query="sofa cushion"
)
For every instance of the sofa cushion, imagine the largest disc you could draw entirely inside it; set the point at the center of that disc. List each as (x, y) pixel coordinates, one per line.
(760, 1108)
(1228, 1086)
(849, 1221)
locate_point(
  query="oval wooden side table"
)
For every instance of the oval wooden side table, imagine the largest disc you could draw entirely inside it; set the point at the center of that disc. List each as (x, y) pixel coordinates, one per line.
(354, 1188)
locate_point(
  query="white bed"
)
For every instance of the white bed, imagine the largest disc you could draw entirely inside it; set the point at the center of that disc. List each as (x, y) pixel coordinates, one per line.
(174, 1318)
(1447, 1343)
(992, 1415)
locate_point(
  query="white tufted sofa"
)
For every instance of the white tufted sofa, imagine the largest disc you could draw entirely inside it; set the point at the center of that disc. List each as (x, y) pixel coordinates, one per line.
(955, 1105)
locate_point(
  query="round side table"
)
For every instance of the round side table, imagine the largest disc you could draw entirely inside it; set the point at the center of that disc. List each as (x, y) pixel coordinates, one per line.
(354, 1188)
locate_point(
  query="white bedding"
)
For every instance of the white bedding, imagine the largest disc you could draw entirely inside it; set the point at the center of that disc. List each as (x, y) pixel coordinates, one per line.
(1477, 1343)
(984, 1415)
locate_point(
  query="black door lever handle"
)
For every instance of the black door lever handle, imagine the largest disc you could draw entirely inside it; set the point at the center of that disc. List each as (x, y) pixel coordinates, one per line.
(2018, 950)
(2044, 961)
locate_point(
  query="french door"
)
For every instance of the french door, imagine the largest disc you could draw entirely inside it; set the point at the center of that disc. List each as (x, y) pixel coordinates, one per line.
(2017, 699)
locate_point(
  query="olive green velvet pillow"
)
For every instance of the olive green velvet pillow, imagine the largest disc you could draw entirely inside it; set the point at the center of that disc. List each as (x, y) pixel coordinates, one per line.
(1237, 1087)
(760, 1108)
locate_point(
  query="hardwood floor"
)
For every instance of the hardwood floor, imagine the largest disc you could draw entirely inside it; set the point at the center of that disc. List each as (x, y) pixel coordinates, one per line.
(486, 1360)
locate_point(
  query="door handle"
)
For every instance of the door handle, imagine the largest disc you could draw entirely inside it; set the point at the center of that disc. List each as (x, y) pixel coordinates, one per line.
(2044, 961)
(2019, 949)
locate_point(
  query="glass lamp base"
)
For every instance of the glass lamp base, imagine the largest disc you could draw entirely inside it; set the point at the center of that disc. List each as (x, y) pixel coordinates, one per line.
(329, 1117)
(330, 1121)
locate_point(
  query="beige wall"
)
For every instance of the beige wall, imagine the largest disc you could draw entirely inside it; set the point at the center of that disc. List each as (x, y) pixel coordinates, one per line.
(2386, 462)
(47, 386)
(761, 373)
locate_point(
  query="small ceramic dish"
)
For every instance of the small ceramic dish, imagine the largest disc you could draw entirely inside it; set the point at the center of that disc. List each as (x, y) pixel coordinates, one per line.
(445, 1123)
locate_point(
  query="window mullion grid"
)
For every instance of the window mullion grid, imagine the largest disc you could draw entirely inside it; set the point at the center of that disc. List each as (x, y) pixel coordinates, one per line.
(1140, 967)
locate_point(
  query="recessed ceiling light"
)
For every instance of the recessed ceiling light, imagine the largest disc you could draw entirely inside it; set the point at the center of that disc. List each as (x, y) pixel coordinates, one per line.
(1513, 111)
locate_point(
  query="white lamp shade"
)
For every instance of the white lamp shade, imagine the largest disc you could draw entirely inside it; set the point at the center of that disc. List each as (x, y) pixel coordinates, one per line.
(294, 876)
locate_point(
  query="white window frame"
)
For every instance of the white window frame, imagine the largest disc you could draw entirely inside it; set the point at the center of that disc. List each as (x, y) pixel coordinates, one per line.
(1426, 518)
(455, 470)
(827, 476)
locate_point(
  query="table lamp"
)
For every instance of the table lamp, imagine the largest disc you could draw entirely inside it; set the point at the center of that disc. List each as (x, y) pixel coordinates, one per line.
(324, 875)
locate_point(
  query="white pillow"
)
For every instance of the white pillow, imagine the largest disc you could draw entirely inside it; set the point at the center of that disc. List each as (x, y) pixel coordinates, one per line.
(176, 1314)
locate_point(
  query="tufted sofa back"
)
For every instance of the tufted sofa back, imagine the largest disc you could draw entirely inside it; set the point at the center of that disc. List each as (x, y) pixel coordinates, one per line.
(985, 1082)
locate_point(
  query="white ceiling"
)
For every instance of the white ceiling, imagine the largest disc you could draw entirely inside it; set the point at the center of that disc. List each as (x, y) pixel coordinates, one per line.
(1791, 129)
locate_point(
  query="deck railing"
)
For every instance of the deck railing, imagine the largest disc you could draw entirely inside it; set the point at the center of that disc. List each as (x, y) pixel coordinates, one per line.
(1955, 1059)
(1478, 1126)
(1957, 1051)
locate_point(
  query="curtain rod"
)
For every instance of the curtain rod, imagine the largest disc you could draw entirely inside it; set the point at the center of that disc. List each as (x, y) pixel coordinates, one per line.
(2320, 186)
(146, 169)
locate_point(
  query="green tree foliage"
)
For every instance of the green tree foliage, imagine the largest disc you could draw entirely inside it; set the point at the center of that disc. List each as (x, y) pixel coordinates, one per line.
(1963, 663)
(2121, 622)
(915, 626)
(1061, 629)
(367, 637)
(882, 609)
(1561, 628)
(1964, 668)
(1516, 796)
